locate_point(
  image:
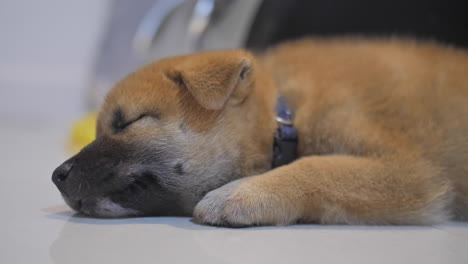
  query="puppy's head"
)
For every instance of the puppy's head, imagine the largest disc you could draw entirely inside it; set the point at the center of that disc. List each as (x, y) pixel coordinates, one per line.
(169, 133)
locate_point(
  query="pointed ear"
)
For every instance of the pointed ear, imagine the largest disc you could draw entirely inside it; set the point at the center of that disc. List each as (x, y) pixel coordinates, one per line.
(213, 77)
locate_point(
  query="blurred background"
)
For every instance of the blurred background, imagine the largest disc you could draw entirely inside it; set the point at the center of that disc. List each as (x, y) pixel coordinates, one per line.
(58, 59)
(47, 49)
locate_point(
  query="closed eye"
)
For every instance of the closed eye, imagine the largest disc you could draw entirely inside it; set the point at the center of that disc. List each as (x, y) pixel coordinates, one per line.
(119, 123)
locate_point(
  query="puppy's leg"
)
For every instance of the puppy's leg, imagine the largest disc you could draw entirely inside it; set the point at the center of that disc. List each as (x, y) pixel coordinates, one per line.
(332, 190)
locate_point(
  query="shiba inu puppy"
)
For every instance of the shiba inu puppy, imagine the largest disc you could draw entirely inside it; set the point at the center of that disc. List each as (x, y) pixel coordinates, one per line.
(379, 136)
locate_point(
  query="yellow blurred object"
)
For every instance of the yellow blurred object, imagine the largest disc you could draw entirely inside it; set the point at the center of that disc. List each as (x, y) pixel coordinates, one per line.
(83, 132)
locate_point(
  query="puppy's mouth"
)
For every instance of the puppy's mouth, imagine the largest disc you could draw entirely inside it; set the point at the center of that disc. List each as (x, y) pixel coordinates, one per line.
(74, 204)
(110, 203)
(103, 207)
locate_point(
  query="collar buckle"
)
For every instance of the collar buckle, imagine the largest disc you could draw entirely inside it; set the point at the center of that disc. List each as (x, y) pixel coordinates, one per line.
(285, 142)
(283, 121)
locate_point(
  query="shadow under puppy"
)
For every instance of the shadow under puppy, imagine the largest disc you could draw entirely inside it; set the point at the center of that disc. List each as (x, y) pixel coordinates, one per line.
(382, 131)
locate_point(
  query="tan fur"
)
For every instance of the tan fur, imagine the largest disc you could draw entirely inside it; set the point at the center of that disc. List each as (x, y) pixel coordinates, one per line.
(382, 124)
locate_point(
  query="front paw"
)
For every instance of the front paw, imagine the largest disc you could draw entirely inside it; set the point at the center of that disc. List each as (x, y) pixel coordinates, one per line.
(242, 203)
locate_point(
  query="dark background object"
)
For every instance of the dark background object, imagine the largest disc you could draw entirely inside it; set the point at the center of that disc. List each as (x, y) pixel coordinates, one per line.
(278, 20)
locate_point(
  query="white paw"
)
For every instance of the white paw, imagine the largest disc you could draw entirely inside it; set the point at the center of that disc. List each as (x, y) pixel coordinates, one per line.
(241, 203)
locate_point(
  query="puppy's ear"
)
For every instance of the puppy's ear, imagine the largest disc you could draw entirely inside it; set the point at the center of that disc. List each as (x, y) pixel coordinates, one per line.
(213, 78)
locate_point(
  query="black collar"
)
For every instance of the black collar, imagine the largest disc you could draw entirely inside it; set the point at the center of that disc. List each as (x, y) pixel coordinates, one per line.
(285, 143)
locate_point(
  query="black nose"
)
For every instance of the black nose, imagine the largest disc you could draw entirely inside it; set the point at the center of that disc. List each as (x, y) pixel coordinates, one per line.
(59, 176)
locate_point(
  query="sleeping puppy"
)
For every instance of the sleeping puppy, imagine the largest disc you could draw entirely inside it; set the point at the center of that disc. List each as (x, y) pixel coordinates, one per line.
(379, 136)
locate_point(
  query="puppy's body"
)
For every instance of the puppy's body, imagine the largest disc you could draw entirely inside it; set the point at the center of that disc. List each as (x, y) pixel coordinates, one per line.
(382, 128)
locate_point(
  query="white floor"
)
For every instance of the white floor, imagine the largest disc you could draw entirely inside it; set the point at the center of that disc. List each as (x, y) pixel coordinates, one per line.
(36, 226)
